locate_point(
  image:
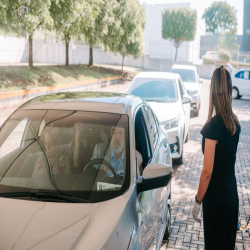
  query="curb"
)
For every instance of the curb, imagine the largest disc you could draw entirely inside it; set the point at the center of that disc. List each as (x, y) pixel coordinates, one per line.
(15, 98)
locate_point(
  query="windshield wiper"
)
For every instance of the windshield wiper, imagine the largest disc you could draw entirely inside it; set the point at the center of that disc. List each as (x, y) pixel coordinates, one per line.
(37, 194)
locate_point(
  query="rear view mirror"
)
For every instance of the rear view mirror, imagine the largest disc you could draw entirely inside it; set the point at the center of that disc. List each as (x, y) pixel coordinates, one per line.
(186, 99)
(154, 176)
(200, 80)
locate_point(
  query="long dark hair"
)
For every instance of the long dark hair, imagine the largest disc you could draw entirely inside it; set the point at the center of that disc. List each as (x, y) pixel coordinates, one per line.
(221, 98)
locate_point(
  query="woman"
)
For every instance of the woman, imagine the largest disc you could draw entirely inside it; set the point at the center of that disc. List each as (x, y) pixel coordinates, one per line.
(218, 188)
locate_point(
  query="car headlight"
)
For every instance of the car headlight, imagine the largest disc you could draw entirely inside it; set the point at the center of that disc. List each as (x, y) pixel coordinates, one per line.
(170, 124)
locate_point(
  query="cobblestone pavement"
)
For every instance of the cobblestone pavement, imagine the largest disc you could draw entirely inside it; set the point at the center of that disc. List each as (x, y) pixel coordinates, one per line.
(185, 233)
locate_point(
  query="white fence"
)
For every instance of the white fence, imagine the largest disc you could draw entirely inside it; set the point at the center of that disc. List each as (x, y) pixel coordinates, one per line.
(16, 50)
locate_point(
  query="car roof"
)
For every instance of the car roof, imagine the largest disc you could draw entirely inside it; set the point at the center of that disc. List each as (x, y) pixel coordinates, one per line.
(180, 66)
(245, 69)
(157, 75)
(83, 101)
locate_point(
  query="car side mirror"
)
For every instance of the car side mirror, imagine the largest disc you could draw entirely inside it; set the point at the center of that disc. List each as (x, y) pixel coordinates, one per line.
(154, 176)
(186, 99)
(200, 80)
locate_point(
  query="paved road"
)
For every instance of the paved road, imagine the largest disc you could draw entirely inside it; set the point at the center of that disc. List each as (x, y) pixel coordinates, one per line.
(185, 233)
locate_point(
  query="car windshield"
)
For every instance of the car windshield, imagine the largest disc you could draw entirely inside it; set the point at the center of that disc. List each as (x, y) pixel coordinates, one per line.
(158, 90)
(81, 154)
(187, 75)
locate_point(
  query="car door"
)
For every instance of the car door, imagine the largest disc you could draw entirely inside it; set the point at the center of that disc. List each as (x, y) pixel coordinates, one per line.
(246, 79)
(186, 109)
(243, 82)
(159, 146)
(145, 207)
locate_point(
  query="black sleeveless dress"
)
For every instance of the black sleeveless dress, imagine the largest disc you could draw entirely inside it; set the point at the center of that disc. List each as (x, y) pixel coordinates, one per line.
(221, 203)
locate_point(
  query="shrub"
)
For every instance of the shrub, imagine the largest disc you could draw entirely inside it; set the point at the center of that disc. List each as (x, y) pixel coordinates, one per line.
(225, 55)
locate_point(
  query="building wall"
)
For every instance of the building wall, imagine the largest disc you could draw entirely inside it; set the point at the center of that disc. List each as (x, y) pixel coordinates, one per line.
(246, 26)
(156, 46)
(209, 43)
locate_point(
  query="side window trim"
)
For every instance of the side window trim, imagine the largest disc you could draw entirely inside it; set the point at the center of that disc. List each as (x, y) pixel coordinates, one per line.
(140, 107)
(181, 90)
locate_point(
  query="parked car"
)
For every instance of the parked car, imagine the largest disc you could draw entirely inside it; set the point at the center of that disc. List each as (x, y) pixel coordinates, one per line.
(167, 96)
(60, 187)
(191, 81)
(241, 83)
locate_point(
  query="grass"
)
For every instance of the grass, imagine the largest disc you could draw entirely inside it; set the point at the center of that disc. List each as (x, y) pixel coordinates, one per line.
(22, 77)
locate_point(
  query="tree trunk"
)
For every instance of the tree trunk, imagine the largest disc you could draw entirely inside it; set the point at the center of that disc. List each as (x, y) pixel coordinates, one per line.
(176, 53)
(90, 55)
(67, 40)
(30, 51)
(122, 61)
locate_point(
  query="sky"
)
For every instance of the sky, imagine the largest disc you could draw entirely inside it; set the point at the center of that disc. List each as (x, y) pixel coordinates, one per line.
(201, 5)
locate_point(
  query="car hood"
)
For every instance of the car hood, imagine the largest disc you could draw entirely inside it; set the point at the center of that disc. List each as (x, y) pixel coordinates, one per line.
(166, 111)
(191, 86)
(46, 225)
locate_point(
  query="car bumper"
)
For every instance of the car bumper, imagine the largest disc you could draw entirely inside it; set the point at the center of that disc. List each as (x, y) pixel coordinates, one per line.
(174, 136)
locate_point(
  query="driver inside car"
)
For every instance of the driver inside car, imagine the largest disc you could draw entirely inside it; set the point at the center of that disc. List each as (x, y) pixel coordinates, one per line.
(114, 153)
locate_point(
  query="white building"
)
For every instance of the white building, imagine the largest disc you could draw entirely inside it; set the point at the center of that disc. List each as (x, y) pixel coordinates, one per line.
(156, 46)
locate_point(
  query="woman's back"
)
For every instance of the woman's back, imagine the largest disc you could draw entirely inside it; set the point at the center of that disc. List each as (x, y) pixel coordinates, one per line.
(226, 148)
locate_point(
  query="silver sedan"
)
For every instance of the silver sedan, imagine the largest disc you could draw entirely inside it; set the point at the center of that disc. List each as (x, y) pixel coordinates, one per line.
(84, 171)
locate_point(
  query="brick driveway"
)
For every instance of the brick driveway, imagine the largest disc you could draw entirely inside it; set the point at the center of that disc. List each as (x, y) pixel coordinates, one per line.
(185, 233)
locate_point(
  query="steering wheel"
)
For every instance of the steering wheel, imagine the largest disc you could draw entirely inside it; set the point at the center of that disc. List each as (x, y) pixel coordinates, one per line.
(101, 162)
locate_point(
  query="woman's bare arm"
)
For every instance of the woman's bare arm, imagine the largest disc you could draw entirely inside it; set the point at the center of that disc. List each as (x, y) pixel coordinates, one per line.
(208, 165)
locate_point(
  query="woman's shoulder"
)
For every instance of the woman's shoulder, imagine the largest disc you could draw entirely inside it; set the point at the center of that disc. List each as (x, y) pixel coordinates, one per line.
(212, 128)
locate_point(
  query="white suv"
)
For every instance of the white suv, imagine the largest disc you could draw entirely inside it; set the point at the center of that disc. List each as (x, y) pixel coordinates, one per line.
(241, 83)
(191, 81)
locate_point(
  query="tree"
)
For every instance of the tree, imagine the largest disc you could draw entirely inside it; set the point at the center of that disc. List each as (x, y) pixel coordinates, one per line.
(126, 35)
(99, 17)
(179, 25)
(67, 15)
(227, 41)
(28, 16)
(3, 19)
(220, 17)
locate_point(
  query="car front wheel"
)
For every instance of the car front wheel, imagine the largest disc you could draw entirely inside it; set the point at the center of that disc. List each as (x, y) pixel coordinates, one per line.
(179, 160)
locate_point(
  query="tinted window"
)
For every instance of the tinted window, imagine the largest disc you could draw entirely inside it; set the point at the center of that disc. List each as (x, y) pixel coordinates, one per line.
(52, 150)
(158, 90)
(240, 74)
(187, 75)
(143, 145)
(152, 126)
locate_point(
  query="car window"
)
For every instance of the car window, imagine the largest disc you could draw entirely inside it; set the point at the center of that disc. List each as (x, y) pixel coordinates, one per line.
(152, 126)
(15, 139)
(158, 90)
(71, 151)
(246, 75)
(240, 74)
(142, 142)
(181, 89)
(187, 75)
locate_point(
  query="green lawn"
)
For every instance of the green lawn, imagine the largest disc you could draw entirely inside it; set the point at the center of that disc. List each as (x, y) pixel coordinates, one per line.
(23, 77)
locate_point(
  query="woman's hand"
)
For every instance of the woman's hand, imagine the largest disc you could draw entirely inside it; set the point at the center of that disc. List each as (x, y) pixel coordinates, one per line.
(195, 212)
